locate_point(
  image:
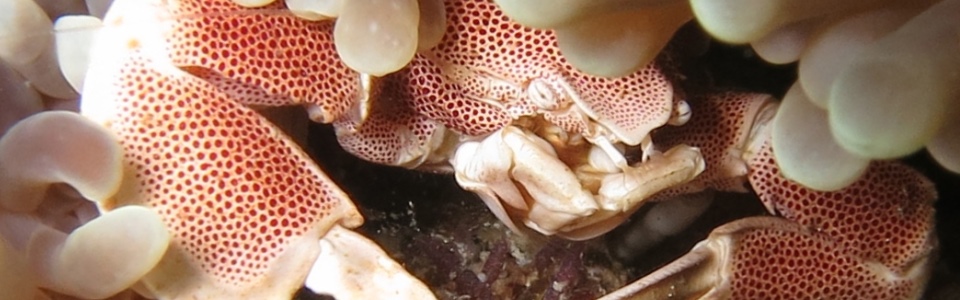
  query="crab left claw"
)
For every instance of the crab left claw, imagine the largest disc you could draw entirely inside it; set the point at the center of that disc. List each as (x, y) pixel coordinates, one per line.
(520, 177)
(244, 205)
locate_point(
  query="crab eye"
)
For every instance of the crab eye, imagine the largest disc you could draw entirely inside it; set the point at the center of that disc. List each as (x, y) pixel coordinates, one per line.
(681, 113)
(543, 95)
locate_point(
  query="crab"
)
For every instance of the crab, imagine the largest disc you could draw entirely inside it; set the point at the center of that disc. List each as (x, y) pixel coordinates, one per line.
(540, 142)
(496, 104)
(249, 214)
(543, 144)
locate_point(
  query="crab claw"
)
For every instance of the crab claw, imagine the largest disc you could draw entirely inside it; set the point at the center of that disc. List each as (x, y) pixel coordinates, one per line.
(519, 176)
(872, 239)
(244, 205)
(265, 55)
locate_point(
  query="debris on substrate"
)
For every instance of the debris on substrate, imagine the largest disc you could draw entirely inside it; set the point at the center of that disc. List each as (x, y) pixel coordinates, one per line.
(470, 254)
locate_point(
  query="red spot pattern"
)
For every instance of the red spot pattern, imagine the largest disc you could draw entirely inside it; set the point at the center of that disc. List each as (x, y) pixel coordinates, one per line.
(886, 215)
(230, 187)
(484, 55)
(268, 50)
(771, 263)
(439, 99)
(719, 126)
(391, 129)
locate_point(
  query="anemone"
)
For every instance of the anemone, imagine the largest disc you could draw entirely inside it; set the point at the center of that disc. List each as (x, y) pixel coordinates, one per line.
(605, 38)
(51, 236)
(878, 73)
(28, 47)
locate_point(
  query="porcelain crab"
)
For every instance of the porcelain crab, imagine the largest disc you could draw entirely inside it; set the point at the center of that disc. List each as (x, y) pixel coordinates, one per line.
(544, 145)
(497, 104)
(455, 110)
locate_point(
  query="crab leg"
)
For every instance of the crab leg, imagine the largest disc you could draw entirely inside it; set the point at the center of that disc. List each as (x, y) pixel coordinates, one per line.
(871, 240)
(245, 206)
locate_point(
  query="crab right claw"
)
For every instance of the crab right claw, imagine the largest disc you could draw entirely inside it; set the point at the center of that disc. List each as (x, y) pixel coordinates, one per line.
(886, 257)
(873, 239)
(520, 177)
